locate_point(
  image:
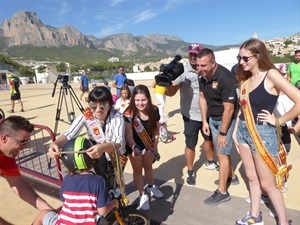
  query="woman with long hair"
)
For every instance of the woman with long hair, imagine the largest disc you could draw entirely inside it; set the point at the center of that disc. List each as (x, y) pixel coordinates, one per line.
(256, 128)
(142, 133)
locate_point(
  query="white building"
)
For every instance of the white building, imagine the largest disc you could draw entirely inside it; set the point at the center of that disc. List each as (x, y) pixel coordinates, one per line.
(113, 59)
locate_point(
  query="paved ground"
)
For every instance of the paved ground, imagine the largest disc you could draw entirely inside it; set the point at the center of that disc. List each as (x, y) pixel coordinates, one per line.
(182, 204)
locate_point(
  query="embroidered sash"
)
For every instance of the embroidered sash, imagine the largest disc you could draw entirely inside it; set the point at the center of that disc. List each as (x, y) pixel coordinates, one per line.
(279, 169)
(95, 128)
(144, 136)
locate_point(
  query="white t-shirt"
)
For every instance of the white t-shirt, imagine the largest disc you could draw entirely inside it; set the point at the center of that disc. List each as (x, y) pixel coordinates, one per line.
(121, 105)
(283, 105)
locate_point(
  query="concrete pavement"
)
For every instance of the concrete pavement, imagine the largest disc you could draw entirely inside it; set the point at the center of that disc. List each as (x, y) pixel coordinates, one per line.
(182, 204)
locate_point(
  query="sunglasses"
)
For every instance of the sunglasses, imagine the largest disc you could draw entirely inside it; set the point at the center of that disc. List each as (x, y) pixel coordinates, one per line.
(244, 58)
(21, 143)
(102, 106)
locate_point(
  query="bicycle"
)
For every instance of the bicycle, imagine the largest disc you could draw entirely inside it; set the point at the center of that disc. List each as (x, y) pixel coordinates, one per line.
(164, 134)
(2, 114)
(125, 214)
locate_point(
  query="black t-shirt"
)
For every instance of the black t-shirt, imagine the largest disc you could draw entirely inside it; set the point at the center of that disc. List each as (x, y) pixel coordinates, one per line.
(136, 137)
(220, 88)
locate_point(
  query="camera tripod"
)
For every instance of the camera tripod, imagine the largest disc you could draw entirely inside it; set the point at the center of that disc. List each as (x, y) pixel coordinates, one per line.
(66, 89)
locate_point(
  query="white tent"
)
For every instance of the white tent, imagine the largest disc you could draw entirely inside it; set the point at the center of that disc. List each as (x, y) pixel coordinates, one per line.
(227, 58)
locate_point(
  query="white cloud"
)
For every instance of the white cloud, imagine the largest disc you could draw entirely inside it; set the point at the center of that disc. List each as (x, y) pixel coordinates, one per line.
(63, 9)
(115, 2)
(143, 16)
(110, 30)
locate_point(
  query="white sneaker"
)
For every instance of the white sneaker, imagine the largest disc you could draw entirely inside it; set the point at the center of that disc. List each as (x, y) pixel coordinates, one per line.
(144, 202)
(154, 191)
(263, 200)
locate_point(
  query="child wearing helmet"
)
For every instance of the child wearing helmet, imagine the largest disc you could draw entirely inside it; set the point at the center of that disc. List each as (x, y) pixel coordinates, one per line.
(82, 192)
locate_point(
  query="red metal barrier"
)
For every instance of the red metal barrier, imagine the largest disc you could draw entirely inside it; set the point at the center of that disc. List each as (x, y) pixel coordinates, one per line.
(34, 160)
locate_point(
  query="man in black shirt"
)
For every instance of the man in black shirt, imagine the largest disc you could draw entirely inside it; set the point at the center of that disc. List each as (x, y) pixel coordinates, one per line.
(218, 101)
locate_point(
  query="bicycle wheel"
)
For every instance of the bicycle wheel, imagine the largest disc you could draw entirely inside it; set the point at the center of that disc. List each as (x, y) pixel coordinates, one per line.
(2, 115)
(135, 217)
(163, 134)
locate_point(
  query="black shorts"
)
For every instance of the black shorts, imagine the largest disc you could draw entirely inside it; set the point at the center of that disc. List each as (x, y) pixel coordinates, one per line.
(84, 89)
(16, 96)
(191, 132)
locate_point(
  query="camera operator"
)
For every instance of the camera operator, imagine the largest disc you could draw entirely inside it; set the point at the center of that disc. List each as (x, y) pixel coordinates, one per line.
(189, 105)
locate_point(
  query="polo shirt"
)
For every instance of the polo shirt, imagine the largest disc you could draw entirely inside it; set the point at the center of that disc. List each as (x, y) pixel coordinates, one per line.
(218, 89)
(189, 93)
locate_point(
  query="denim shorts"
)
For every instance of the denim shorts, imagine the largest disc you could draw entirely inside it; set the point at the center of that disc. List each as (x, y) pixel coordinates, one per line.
(215, 126)
(267, 133)
(50, 218)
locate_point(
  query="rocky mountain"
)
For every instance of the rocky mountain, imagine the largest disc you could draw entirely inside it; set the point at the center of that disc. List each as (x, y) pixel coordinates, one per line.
(26, 29)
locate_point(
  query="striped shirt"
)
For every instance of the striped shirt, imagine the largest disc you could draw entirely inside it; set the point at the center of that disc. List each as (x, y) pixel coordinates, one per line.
(82, 195)
(114, 129)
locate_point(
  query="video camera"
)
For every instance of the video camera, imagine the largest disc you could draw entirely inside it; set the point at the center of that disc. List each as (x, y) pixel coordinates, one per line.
(169, 72)
(64, 78)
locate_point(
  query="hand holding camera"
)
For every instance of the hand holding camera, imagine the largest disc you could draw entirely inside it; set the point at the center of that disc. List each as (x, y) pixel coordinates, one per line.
(169, 72)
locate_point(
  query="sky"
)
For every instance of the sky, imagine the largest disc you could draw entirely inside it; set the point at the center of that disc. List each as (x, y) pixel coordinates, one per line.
(213, 22)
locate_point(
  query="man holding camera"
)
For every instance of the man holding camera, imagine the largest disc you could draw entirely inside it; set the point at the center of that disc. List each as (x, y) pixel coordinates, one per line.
(188, 84)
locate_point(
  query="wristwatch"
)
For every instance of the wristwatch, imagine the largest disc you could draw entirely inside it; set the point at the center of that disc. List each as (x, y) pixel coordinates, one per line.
(222, 133)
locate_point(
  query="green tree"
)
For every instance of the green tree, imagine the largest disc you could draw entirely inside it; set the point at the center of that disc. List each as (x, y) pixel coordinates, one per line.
(62, 67)
(41, 69)
(147, 69)
(26, 71)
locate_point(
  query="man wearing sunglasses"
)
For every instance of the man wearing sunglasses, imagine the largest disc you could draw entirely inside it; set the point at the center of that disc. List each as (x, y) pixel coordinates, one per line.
(15, 132)
(188, 85)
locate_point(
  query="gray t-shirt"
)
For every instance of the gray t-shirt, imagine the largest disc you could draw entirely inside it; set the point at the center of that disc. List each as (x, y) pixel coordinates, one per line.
(189, 93)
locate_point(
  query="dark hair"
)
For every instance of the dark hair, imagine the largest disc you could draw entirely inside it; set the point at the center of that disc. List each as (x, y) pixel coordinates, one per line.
(129, 82)
(13, 124)
(105, 82)
(297, 51)
(206, 52)
(142, 89)
(100, 94)
(259, 50)
(125, 87)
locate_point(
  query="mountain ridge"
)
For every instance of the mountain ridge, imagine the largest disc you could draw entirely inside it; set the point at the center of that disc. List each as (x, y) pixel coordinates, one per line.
(26, 31)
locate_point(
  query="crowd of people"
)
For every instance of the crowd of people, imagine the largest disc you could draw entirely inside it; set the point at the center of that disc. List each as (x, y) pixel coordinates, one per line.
(209, 103)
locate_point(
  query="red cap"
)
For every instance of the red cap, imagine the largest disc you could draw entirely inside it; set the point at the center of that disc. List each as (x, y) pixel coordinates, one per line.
(195, 48)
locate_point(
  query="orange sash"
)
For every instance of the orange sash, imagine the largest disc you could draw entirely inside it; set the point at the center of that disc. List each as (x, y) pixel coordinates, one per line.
(279, 169)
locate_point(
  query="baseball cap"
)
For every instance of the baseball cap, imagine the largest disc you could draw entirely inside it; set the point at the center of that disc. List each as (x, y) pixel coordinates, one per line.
(10, 75)
(195, 48)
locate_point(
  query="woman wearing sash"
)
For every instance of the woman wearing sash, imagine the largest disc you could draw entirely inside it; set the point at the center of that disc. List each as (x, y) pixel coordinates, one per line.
(142, 132)
(255, 132)
(105, 128)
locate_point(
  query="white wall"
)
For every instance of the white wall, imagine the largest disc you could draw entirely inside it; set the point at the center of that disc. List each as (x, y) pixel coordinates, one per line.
(141, 75)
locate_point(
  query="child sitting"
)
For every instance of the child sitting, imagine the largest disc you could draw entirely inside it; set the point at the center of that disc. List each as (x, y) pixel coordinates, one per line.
(84, 194)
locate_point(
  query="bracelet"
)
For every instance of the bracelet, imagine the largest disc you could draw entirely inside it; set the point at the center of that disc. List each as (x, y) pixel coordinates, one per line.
(222, 133)
(133, 146)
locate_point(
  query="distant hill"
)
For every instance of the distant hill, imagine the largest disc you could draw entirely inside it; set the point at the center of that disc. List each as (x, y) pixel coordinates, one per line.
(26, 36)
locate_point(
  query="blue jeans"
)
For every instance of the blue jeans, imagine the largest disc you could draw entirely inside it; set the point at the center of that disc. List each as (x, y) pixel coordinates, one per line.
(267, 133)
(215, 126)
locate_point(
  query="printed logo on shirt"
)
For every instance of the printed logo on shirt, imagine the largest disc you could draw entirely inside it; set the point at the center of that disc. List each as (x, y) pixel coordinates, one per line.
(214, 85)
